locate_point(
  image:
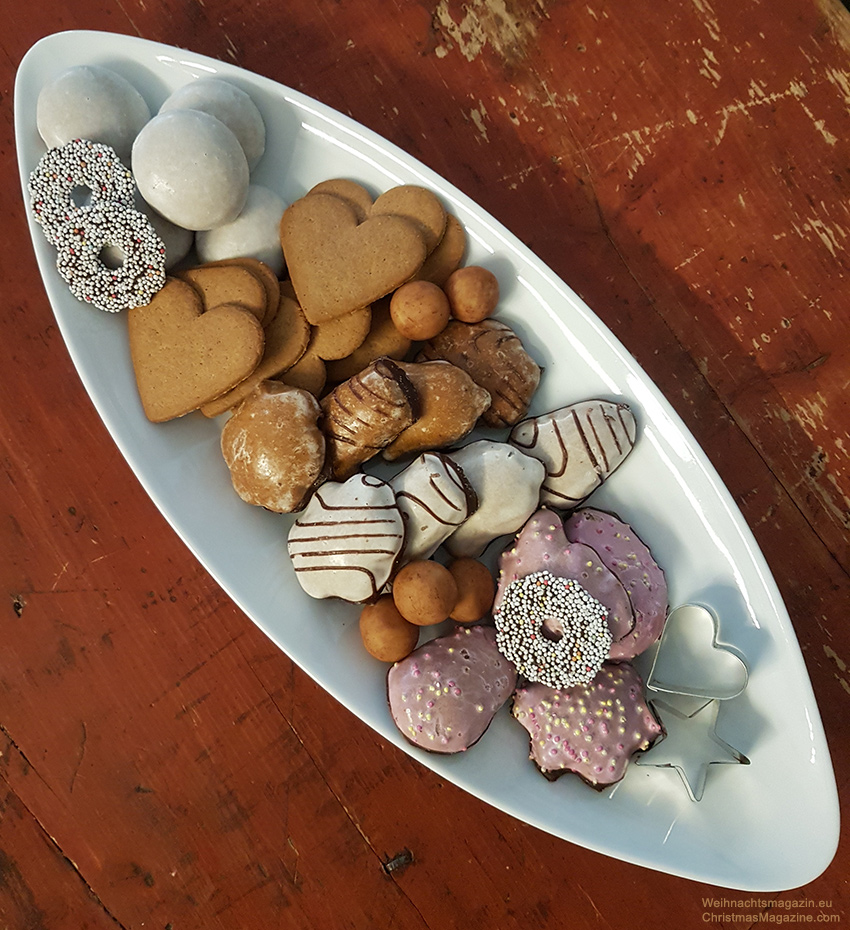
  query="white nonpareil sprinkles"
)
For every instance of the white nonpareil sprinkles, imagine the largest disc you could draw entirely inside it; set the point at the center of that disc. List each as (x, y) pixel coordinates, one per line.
(140, 267)
(108, 253)
(80, 168)
(552, 630)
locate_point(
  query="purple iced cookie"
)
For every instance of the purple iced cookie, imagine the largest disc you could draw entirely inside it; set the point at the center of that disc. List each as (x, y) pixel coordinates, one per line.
(444, 694)
(542, 545)
(619, 547)
(592, 730)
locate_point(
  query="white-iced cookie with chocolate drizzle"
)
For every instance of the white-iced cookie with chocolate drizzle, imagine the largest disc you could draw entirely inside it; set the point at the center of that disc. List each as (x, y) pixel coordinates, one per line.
(435, 498)
(507, 484)
(347, 541)
(580, 446)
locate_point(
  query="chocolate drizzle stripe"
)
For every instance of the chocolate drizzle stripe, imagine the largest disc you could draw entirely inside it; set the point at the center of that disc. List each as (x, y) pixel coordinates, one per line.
(429, 510)
(627, 425)
(583, 437)
(351, 534)
(609, 422)
(300, 540)
(327, 553)
(535, 435)
(600, 445)
(354, 521)
(565, 452)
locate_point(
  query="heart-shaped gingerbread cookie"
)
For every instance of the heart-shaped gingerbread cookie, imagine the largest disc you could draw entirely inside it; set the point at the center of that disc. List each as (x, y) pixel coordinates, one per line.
(417, 204)
(183, 357)
(337, 265)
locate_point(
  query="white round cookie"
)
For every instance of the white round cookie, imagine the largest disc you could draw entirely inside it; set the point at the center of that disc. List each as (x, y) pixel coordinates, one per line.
(191, 168)
(255, 233)
(228, 103)
(94, 103)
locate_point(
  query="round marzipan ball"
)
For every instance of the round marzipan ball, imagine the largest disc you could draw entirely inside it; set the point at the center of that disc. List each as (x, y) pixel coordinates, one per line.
(385, 633)
(473, 293)
(419, 310)
(476, 589)
(424, 592)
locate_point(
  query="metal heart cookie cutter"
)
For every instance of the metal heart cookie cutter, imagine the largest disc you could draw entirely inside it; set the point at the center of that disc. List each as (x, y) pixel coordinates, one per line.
(691, 674)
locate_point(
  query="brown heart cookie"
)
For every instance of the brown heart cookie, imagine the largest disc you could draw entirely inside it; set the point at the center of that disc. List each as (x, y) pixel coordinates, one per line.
(183, 357)
(448, 255)
(337, 265)
(417, 204)
(354, 194)
(227, 284)
(287, 337)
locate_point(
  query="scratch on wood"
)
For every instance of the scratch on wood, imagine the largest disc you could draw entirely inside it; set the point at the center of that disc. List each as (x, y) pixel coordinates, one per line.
(689, 259)
(842, 667)
(486, 23)
(80, 757)
(599, 915)
(61, 573)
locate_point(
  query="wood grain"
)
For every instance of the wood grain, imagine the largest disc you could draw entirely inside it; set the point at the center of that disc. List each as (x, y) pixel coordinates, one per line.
(684, 166)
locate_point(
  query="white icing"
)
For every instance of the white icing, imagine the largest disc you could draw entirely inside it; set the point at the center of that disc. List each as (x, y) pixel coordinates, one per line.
(346, 542)
(228, 103)
(433, 501)
(507, 483)
(191, 168)
(580, 445)
(253, 234)
(94, 103)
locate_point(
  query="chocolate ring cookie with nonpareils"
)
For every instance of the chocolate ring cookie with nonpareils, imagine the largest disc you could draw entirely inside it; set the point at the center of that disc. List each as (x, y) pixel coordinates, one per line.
(552, 629)
(73, 176)
(135, 278)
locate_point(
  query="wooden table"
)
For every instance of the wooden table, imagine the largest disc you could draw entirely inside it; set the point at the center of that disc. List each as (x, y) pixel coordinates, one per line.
(684, 166)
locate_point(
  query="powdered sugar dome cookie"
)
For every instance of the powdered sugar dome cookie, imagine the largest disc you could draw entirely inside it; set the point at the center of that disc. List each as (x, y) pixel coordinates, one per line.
(253, 234)
(91, 102)
(191, 168)
(228, 103)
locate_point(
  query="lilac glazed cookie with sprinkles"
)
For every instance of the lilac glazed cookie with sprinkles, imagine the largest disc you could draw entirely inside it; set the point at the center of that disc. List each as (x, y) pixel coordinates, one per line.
(593, 730)
(78, 174)
(444, 695)
(140, 272)
(558, 608)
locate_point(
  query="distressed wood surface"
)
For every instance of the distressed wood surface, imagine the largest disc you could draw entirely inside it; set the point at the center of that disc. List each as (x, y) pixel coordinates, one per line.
(684, 166)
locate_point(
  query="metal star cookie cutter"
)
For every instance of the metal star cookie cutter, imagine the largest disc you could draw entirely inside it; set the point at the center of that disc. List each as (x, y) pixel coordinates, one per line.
(691, 674)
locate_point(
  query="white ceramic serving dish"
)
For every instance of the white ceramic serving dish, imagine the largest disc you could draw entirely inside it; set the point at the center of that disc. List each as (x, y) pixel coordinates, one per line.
(741, 834)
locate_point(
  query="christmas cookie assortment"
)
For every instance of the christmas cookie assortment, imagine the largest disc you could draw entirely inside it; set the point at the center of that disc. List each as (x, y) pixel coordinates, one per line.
(369, 387)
